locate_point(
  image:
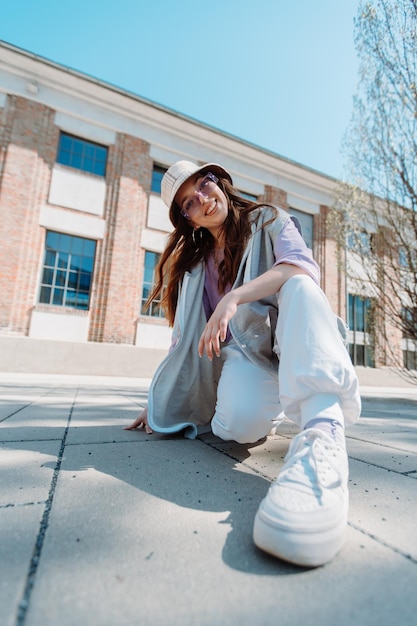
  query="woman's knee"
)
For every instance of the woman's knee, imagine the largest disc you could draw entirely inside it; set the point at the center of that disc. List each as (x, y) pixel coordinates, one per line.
(247, 400)
(245, 424)
(237, 430)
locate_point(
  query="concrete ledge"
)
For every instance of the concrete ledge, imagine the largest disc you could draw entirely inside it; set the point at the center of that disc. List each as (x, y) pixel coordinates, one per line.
(42, 356)
(383, 377)
(45, 356)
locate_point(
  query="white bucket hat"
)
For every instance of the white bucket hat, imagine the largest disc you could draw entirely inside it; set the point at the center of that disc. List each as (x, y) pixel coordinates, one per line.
(181, 171)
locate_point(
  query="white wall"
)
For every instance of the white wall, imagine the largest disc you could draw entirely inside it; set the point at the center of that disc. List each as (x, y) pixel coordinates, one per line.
(153, 336)
(74, 190)
(53, 218)
(158, 214)
(58, 326)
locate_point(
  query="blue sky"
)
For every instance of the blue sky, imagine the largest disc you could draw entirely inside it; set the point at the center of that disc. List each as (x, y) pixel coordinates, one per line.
(278, 73)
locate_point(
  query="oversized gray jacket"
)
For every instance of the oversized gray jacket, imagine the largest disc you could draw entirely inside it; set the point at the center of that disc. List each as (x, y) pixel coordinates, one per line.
(183, 391)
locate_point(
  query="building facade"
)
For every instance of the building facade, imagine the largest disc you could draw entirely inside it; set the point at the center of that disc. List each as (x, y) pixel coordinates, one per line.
(82, 221)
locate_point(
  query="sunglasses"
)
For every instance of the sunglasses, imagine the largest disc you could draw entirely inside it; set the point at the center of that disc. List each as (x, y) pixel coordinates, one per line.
(205, 187)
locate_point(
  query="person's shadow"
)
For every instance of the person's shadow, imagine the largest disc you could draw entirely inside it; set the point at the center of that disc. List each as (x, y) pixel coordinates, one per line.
(205, 474)
(198, 476)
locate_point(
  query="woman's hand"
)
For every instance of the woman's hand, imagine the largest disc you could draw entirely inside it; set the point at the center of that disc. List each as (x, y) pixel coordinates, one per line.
(264, 285)
(216, 328)
(141, 422)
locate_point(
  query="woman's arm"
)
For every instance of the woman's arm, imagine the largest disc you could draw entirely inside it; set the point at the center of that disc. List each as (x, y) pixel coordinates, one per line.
(264, 285)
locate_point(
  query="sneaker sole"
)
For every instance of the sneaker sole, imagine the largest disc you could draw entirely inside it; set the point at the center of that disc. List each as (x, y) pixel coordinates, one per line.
(309, 549)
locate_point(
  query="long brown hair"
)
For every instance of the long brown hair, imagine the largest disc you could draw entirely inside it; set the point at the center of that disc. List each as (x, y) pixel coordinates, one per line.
(187, 247)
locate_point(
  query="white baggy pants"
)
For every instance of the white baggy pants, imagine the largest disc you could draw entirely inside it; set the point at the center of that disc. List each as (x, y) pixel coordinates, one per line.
(316, 377)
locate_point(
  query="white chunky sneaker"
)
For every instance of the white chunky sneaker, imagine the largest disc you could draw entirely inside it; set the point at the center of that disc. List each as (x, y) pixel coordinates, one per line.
(303, 517)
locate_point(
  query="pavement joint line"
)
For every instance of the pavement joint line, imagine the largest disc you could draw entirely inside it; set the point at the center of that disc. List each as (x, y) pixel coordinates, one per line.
(353, 458)
(124, 394)
(3, 419)
(16, 504)
(407, 556)
(221, 449)
(23, 605)
(382, 445)
(387, 469)
(32, 440)
(247, 465)
(104, 443)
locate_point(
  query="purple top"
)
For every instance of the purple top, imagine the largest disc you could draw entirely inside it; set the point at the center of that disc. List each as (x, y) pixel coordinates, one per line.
(289, 247)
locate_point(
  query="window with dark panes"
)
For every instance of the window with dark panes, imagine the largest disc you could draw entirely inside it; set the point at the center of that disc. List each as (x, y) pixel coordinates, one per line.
(359, 314)
(409, 322)
(157, 175)
(410, 359)
(409, 332)
(155, 309)
(407, 258)
(82, 154)
(67, 271)
(360, 242)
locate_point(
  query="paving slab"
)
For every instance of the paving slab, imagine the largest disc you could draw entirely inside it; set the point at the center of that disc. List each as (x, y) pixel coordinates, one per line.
(19, 528)
(43, 416)
(105, 527)
(26, 470)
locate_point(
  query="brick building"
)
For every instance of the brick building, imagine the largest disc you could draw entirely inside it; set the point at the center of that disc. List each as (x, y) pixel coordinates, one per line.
(82, 221)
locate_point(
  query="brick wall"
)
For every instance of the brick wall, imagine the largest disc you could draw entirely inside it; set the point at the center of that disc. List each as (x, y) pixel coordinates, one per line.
(275, 196)
(326, 253)
(117, 289)
(28, 152)
(29, 140)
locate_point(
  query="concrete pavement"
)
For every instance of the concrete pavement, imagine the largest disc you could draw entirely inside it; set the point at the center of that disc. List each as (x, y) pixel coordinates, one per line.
(105, 527)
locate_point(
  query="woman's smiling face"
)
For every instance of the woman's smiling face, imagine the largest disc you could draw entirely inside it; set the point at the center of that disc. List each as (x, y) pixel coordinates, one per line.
(203, 203)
